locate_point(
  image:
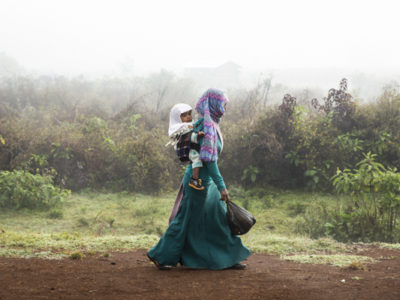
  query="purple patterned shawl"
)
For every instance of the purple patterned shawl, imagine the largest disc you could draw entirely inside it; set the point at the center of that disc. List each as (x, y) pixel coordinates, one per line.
(211, 106)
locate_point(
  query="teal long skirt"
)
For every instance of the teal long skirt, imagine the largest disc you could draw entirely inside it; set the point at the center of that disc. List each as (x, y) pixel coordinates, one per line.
(199, 236)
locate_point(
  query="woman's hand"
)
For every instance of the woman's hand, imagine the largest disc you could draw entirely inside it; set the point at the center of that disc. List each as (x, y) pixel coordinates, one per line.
(225, 195)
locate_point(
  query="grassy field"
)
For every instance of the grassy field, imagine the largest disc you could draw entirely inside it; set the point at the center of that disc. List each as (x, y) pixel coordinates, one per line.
(97, 223)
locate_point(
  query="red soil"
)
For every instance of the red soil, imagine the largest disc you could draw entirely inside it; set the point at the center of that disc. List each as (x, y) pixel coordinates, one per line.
(132, 276)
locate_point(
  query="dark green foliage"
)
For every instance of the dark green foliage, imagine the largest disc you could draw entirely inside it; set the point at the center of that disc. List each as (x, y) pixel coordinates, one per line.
(21, 189)
(254, 151)
(110, 133)
(98, 134)
(290, 146)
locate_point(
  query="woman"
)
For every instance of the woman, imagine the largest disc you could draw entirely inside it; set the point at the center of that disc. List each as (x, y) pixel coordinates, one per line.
(199, 236)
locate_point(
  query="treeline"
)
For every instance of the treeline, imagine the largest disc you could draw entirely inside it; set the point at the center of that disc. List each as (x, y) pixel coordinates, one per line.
(107, 133)
(303, 145)
(111, 133)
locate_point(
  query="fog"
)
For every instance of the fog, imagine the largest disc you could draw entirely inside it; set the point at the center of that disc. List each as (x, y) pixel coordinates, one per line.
(86, 91)
(301, 44)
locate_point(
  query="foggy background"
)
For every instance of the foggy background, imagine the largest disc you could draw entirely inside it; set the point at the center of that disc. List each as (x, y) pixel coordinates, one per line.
(86, 89)
(298, 44)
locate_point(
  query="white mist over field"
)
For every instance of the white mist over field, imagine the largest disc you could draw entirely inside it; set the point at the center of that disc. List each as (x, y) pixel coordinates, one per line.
(304, 44)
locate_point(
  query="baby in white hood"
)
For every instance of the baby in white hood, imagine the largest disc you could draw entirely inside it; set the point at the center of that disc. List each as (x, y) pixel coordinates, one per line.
(186, 140)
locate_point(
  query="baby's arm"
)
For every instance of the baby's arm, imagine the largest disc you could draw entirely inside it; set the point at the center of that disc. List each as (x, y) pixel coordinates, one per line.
(196, 136)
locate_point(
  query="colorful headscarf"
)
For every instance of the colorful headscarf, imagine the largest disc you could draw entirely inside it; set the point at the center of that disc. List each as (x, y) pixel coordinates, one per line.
(211, 106)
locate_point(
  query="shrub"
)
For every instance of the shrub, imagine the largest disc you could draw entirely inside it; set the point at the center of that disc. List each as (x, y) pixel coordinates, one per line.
(77, 255)
(106, 134)
(254, 150)
(21, 189)
(372, 210)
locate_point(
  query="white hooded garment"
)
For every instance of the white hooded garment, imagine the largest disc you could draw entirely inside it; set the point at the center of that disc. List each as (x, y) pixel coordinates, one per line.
(176, 126)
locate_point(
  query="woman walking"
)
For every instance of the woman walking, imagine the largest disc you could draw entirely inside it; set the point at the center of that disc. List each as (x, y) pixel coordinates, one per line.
(199, 235)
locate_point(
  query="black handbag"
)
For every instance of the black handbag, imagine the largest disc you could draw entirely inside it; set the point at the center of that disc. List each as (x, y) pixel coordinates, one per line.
(239, 220)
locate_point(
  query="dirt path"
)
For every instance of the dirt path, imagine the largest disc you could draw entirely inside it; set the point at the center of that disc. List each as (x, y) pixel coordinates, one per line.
(131, 276)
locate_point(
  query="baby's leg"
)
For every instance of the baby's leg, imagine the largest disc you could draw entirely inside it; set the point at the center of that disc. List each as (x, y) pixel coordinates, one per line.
(195, 181)
(194, 157)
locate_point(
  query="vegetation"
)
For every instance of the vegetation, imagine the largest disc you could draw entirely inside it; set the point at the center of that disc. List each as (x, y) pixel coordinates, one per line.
(95, 223)
(350, 261)
(21, 189)
(111, 133)
(108, 135)
(372, 210)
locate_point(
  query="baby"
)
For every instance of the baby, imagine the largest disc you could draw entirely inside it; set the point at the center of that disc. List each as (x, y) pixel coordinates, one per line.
(185, 139)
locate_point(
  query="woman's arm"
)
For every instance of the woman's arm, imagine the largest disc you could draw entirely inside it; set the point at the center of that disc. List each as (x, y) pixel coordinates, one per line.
(214, 173)
(216, 176)
(213, 169)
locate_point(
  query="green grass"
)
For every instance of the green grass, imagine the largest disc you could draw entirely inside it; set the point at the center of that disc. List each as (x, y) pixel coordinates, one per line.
(100, 223)
(389, 246)
(58, 245)
(96, 214)
(338, 260)
(279, 244)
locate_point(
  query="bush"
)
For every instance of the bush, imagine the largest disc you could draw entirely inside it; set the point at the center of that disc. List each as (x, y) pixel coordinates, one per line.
(113, 139)
(372, 210)
(21, 189)
(254, 151)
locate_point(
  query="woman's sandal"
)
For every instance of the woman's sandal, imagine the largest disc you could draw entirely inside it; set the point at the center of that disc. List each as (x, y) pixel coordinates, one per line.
(158, 265)
(238, 267)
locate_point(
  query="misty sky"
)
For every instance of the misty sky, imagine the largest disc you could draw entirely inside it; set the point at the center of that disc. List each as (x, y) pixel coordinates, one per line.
(100, 35)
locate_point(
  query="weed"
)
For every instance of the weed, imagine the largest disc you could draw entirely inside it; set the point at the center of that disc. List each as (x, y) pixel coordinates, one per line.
(110, 222)
(295, 208)
(83, 222)
(76, 255)
(91, 253)
(355, 265)
(267, 201)
(55, 214)
(159, 231)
